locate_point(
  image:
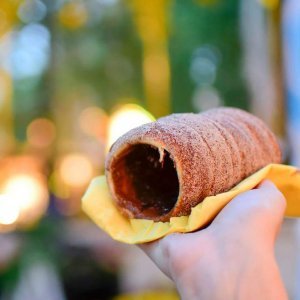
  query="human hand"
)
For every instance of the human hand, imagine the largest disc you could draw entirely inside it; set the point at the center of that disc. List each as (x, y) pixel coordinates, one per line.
(233, 258)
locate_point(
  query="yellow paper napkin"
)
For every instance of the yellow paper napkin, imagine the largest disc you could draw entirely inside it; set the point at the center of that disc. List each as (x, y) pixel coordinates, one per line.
(100, 207)
(162, 295)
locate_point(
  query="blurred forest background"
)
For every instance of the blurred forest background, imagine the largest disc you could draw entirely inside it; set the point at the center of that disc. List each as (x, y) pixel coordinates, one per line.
(75, 75)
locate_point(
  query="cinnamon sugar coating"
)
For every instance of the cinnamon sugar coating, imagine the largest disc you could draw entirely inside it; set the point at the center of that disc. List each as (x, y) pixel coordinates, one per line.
(164, 168)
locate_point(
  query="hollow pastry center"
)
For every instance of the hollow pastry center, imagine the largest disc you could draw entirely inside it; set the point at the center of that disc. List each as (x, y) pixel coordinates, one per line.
(145, 181)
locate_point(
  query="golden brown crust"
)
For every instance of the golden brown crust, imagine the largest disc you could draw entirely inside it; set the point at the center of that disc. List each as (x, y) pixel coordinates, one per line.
(211, 151)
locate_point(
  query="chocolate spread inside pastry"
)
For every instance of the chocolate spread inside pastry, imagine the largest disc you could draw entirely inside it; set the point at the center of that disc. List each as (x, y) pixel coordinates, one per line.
(148, 178)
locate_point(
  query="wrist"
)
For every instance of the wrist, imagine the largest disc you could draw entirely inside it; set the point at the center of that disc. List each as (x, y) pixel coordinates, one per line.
(238, 274)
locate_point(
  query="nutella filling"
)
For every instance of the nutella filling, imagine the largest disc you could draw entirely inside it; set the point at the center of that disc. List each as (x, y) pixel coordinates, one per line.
(145, 181)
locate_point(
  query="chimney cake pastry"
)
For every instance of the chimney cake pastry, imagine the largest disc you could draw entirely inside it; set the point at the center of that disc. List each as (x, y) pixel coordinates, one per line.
(164, 168)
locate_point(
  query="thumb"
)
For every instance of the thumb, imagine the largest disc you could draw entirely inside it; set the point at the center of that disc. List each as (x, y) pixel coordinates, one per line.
(257, 213)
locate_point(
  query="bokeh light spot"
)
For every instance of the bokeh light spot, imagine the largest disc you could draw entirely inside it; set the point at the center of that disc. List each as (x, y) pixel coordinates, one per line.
(126, 118)
(93, 122)
(76, 169)
(30, 53)
(73, 15)
(24, 190)
(32, 11)
(41, 133)
(9, 211)
(206, 98)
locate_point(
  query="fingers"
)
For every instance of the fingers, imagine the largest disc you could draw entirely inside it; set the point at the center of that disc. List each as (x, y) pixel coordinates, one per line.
(254, 216)
(258, 212)
(167, 253)
(158, 252)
